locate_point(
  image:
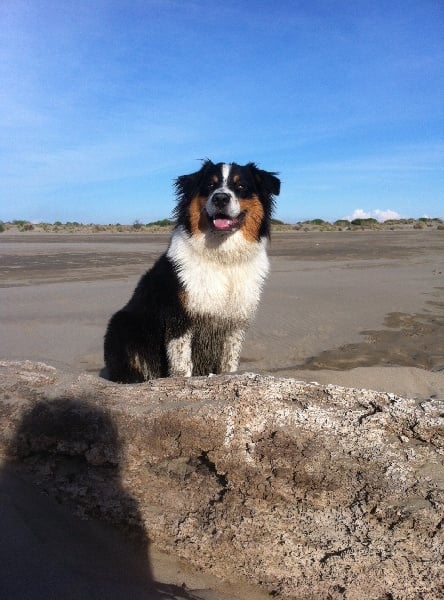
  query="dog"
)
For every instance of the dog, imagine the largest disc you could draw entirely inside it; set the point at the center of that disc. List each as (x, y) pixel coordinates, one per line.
(189, 313)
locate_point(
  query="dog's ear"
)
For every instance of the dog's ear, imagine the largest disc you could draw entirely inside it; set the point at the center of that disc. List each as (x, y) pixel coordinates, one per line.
(266, 180)
(186, 185)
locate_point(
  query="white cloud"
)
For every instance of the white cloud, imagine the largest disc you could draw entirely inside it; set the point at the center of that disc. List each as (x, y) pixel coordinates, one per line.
(385, 215)
(378, 214)
(358, 214)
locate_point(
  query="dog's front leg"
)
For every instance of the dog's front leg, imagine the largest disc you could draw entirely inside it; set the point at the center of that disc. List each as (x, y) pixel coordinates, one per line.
(179, 356)
(231, 351)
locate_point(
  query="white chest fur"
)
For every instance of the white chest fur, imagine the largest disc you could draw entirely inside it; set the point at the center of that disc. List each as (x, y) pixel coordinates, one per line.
(221, 279)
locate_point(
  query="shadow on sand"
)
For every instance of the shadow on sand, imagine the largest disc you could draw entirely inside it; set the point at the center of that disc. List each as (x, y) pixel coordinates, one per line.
(48, 552)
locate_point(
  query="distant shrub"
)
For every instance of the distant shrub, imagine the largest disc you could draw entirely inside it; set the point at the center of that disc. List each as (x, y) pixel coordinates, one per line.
(364, 222)
(440, 227)
(2, 227)
(137, 224)
(418, 226)
(342, 223)
(316, 222)
(395, 222)
(161, 223)
(23, 225)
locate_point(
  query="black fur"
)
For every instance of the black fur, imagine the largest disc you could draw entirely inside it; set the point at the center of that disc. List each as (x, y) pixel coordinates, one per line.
(153, 315)
(264, 184)
(137, 337)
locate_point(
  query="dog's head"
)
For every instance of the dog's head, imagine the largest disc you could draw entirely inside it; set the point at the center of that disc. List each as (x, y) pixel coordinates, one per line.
(226, 197)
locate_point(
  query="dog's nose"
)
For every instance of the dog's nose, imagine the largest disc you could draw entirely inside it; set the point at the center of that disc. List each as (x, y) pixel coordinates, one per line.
(221, 199)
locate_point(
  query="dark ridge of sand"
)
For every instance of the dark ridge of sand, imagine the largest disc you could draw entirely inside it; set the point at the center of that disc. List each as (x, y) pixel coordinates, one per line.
(411, 340)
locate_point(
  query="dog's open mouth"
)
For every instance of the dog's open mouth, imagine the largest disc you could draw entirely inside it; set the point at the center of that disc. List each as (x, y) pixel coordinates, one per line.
(223, 222)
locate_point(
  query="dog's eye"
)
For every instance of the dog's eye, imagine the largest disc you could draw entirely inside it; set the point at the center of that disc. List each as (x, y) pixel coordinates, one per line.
(240, 187)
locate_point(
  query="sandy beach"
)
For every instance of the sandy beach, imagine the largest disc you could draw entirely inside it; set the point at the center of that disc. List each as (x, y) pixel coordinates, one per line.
(354, 308)
(360, 309)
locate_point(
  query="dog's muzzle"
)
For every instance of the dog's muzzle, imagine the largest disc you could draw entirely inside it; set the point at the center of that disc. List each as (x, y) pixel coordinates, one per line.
(220, 213)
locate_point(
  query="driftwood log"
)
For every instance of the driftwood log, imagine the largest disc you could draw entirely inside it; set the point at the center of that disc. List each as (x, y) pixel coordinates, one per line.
(312, 491)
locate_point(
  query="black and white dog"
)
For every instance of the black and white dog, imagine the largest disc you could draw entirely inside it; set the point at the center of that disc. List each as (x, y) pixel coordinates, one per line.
(189, 312)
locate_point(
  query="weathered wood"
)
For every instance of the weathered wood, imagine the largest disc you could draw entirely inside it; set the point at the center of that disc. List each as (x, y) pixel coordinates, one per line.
(313, 491)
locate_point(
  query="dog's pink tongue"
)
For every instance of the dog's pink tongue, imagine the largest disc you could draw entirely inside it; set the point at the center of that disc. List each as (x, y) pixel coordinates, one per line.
(223, 223)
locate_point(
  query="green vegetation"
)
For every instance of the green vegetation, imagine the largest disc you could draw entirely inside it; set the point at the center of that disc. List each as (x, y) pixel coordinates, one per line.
(161, 223)
(23, 225)
(165, 225)
(364, 222)
(317, 222)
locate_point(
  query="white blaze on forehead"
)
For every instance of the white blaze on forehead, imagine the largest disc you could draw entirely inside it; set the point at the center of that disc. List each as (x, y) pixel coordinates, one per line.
(225, 173)
(232, 209)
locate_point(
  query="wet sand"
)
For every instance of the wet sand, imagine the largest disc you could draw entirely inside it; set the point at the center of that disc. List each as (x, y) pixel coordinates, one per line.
(363, 308)
(360, 309)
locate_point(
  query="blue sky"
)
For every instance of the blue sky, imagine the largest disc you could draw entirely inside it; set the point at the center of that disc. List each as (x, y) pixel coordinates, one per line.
(104, 102)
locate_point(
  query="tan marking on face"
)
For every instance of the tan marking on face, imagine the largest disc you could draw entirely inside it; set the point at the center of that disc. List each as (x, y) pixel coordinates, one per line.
(253, 217)
(198, 219)
(215, 179)
(236, 178)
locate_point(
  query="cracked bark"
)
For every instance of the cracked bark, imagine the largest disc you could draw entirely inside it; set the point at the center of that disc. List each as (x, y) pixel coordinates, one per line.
(257, 478)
